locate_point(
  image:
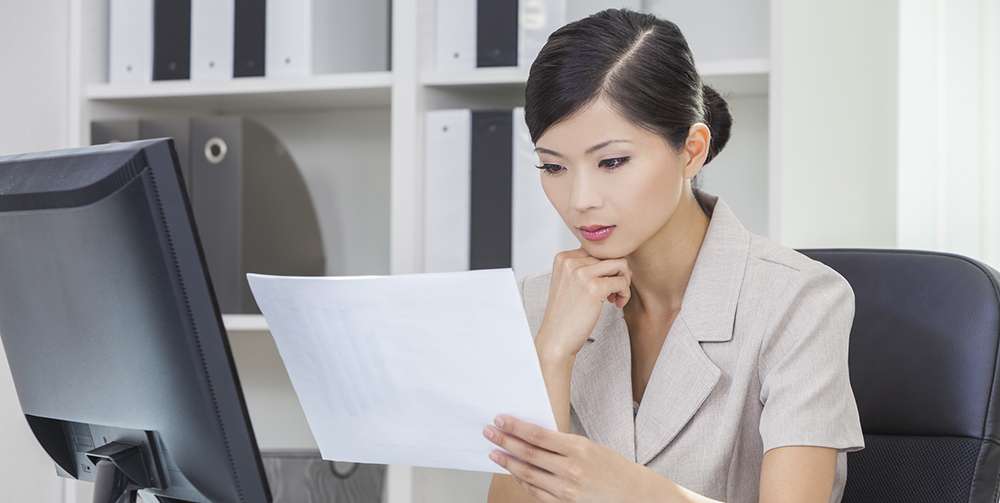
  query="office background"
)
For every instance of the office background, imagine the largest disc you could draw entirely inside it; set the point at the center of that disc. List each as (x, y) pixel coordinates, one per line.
(868, 124)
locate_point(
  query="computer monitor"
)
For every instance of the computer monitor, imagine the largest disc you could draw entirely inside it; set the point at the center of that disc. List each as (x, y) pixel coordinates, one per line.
(113, 334)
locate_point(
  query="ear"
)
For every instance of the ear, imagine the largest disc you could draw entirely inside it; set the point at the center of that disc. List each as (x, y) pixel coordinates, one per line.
(696, 149)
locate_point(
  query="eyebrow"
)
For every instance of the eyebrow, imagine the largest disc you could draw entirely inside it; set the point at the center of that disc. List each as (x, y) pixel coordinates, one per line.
(589, 151)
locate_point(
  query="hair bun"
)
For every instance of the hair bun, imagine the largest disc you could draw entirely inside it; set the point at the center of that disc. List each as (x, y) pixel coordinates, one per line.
(718, 119)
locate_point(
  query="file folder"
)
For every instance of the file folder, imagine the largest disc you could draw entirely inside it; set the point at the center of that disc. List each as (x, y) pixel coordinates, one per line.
(252, 207)
(130, 41)
(496, 33)
(537, 19)
(455, 35)
(490, 187)
(248, 38)
(448, 158)
(537, 231)
(171, 39)
(212, 36)
(307, 37)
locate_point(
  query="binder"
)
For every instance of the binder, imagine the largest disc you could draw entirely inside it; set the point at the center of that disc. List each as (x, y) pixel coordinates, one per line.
(130, 41)
(537, 19)
(490, 190)
(248, 38)
(496, 33)
(447, 158)
(252, 208)
(306, 37)
(455, 35)
(537, 231)
(212, 36)
(171, 39)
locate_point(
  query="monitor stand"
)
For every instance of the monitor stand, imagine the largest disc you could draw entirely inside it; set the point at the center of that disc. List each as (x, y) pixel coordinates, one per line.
(119, 468)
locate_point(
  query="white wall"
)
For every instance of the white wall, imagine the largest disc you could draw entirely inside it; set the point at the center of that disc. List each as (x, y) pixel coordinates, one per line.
(834, 70)
(948, 167)
(34, 88)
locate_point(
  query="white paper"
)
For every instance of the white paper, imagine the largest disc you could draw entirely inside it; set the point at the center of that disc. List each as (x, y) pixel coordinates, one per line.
(406, 369)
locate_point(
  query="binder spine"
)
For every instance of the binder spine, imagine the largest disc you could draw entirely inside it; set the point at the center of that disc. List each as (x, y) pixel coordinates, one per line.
(537, 19)
(490, 209)
(130, 41)
(212, 39)
(249, 33)
(171, 39)
(288, 38)
(455, 35)
(447, 161)
(537, 231)
(496, 33)
(217, 191)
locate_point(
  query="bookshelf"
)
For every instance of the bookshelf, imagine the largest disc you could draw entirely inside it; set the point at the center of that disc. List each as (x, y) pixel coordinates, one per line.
(358, 137)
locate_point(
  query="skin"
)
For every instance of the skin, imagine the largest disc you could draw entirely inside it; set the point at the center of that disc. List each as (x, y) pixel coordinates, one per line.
(604, 170)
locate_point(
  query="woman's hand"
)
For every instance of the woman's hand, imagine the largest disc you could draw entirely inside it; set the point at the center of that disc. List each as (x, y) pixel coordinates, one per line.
(580, 284)
(555, 466)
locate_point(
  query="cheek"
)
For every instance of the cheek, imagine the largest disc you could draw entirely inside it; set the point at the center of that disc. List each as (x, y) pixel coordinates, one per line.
(557, 194)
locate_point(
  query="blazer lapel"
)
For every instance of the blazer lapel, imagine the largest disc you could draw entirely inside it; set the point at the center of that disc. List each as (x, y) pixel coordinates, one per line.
(601, 384)
(684, 376)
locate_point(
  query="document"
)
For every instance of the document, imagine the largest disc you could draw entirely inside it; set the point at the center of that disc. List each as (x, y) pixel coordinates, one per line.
(406, 369)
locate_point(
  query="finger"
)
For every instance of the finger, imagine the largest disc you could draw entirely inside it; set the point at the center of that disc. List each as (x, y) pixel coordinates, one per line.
(536, 481)
(554, 441)
(608, 267)
(527, 452)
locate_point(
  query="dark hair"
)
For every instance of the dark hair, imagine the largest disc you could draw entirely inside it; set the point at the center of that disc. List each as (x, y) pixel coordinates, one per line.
(639, 63)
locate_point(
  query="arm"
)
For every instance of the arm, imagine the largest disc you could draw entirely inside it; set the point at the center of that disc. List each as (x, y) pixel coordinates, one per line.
(561, 467)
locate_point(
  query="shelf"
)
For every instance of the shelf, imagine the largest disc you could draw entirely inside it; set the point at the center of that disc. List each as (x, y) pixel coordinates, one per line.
(349, 90)
(734, 67)
(245, 323)
(477, 77)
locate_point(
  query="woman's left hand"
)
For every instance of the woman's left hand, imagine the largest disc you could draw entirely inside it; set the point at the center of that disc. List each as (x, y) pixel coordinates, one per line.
(556, 466)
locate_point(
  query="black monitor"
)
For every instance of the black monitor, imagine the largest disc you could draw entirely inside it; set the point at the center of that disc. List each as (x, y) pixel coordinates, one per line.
(113, 334)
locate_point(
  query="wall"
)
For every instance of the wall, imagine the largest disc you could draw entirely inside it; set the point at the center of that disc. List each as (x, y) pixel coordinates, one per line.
(34, 55)
(834, 68)
(948, 113)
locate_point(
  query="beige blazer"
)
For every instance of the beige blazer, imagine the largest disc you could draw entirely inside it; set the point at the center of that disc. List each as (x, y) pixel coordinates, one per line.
(756, 359)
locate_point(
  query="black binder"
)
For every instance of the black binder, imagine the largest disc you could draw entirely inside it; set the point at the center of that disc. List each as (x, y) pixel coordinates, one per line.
(248, 38)
(490, 212)
(496, 33)
(171, 39)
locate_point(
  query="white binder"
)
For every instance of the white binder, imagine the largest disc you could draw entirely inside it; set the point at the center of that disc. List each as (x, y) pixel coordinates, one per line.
(537, 19)
(212, 36)
(537, 232)
(130, 41)
(455, 35)
(307, 37)
(447, 180)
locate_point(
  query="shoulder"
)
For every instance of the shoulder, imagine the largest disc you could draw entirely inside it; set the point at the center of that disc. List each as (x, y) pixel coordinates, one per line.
(787, 278)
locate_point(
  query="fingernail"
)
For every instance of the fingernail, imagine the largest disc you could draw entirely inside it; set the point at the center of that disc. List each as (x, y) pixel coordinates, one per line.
(494, 457)
(488, 432)
(498, 421)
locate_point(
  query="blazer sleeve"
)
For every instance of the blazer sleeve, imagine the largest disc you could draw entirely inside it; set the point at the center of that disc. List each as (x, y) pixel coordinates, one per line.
(805, 385)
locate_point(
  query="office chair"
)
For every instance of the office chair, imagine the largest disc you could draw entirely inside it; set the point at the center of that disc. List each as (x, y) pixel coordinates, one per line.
(924, 368)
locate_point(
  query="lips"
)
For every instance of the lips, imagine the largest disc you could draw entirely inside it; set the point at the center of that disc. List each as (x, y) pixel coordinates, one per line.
(596, 232)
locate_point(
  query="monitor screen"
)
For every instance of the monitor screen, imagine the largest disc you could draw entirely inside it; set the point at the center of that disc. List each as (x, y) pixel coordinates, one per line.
(113, 335)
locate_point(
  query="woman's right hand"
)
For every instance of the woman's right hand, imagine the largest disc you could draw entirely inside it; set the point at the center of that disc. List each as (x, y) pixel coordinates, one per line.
(580, 285)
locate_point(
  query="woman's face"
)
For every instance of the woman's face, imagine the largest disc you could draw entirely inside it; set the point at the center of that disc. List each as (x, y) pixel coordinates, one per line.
(614, 184)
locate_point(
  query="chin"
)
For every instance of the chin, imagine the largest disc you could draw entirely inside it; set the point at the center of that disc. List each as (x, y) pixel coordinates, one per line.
(602, 251)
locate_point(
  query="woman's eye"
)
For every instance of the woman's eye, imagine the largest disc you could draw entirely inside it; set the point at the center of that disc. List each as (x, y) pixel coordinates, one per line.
(550, 169)
(613, 163)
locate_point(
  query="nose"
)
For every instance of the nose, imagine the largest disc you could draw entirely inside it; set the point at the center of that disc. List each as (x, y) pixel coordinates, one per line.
(586, 191)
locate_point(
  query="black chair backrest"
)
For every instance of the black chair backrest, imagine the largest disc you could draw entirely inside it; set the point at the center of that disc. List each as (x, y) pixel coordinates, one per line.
(924, 368)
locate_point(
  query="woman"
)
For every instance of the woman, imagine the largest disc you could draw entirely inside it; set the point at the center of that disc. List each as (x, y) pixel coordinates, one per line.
(717, 368)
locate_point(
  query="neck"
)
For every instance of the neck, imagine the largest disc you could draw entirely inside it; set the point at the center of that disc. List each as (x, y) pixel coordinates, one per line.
(662, 266)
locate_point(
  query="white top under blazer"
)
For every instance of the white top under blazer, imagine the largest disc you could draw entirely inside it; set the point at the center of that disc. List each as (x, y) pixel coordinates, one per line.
(756, 359)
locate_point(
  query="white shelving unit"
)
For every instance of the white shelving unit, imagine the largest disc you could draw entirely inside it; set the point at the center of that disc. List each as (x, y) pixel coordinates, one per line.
(358, 139)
